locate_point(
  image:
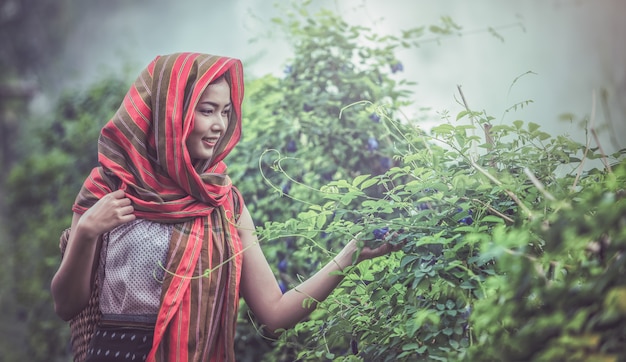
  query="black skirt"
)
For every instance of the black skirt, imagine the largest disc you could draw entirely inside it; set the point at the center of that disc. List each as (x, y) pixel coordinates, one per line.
(113, 341)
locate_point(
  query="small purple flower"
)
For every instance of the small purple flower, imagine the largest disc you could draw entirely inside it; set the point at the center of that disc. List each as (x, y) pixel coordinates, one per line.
(288, 69)
(467, 220)
(385, 163)
(291, 146)
(380, 233)
(372, 144)
(282, 265)
(283, 286)
(286, 188)
(375, 118)
(307, 108)
(397, 67)
(424, 206)
(354, 346)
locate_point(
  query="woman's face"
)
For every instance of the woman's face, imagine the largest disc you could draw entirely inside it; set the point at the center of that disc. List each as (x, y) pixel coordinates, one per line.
(210, 120)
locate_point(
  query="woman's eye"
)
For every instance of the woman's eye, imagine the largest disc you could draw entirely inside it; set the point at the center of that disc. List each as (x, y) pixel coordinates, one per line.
(206, 111)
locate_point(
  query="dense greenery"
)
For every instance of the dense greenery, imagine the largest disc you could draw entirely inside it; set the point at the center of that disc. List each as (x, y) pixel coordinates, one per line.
(512, 239)
(43, 187)
(466, 197)
(496, 264)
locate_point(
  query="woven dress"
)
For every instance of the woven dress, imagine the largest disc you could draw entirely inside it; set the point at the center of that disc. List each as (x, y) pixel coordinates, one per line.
(142, 151)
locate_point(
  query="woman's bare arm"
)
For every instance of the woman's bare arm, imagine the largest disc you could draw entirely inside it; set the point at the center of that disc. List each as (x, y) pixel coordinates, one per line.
(260, 289)
(72, 283)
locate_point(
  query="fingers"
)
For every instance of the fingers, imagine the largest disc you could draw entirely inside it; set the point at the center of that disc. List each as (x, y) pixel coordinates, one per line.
(394, 246)
(113, 210)
(117, 199)
(122, 205)
(124, 202)
(371, 253)
(118, 194)
(386, 247)
(382, 250)
(126, 212)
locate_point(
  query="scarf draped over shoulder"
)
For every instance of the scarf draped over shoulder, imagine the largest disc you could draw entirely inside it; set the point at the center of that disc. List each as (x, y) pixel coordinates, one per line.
(142, 151)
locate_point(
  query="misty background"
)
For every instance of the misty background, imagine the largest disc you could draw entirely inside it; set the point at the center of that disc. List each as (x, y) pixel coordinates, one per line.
(559, 54)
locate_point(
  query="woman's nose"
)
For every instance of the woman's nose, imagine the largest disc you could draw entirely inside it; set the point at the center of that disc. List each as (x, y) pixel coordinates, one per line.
(220, 122)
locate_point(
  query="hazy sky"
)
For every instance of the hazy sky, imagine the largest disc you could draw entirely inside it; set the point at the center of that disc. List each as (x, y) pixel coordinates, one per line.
(573, 47)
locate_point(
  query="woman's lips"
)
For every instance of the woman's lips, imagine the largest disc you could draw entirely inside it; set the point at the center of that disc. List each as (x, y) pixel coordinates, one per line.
(210, 141)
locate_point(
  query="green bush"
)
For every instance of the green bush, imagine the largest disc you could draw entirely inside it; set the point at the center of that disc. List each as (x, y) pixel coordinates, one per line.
(470, 199)
(496, 265)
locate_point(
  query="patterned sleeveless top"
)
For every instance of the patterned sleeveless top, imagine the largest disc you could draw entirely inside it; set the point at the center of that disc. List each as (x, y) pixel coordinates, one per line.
(132, 270)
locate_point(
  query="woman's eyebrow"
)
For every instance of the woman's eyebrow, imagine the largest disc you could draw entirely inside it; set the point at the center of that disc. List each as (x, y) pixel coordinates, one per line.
(214, 104)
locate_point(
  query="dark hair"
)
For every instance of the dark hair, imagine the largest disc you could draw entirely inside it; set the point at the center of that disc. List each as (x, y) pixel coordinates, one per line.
(225, 75)
(190, 86)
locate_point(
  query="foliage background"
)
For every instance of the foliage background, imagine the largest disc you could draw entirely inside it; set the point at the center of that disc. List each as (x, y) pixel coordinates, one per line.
(461, 287)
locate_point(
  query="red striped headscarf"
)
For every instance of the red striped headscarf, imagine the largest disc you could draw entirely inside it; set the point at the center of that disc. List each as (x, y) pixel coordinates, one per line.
(142, 151)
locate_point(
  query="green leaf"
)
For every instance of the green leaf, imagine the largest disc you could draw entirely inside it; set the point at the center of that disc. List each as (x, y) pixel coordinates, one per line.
(320, 220)
(454, 344)
(443, 129)
(462, 114)
(368, 183)
(532, 127)
(492, 218)
(408, 259)
(357, 180)
(410, 346)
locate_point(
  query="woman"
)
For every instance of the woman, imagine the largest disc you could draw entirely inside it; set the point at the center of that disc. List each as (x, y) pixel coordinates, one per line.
(168, 235)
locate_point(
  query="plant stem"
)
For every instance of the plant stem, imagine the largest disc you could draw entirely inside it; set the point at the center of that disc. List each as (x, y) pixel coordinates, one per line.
(538, 184)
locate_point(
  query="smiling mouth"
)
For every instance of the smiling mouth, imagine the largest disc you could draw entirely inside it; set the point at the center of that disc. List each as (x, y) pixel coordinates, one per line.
(211, 142)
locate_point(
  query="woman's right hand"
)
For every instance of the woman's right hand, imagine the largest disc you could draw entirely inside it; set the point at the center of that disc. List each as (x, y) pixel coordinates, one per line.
(111, 211)
(72, 284)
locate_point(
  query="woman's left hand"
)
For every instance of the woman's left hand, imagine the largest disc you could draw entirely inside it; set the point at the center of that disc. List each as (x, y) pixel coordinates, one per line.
(367, 252)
